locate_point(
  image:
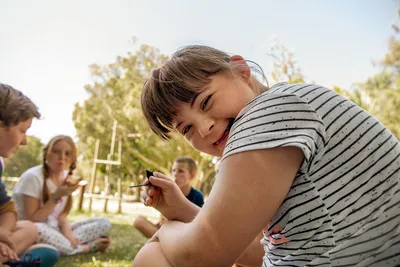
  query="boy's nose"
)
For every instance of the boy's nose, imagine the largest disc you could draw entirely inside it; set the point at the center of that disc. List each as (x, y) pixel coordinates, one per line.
(24, 141)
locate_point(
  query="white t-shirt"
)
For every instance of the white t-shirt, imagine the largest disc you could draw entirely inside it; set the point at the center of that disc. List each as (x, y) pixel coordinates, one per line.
(343, 208)
(31, 184)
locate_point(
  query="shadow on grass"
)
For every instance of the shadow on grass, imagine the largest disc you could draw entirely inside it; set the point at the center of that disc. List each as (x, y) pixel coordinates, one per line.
(125, 243)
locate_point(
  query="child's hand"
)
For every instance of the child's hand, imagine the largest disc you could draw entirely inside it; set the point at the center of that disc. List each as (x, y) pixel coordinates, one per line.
(67, 231)
(74, 241)
(165, 196)
(72, 180)
(5, 238)
(65, 189)
(7, 252)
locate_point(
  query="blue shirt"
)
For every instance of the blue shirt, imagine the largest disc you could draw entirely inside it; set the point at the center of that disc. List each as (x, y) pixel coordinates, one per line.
(196, 197)
(4, 198)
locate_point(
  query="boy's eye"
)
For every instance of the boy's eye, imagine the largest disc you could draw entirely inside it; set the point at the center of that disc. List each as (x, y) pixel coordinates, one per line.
(186, 129)
(205, 102)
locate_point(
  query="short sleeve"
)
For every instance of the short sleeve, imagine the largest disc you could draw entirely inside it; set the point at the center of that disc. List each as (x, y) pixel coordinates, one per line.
(4, 198)
(277, 120)
(30, 184)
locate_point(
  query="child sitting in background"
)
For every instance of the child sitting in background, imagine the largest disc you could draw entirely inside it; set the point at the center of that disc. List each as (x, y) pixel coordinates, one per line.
(44, 196)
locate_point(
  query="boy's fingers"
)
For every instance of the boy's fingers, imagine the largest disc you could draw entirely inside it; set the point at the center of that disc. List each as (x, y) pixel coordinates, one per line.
(3, 251)
(11, 245)
(14, 255)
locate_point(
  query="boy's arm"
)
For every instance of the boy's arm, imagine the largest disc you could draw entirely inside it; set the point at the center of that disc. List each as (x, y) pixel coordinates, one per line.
(8, 221)
(8, 214)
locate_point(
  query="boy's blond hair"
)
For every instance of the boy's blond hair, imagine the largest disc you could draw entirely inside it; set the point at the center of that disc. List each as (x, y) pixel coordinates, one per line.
(190, 163)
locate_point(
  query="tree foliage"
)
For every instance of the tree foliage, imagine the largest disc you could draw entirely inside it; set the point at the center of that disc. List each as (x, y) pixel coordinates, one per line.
(380, 94)
(285, 67)
(115, 92)
(24, 158)
(115, 96)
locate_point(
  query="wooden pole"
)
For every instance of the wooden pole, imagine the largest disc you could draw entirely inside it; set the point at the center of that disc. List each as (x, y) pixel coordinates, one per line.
(81, 194)
(93, 173)
(108, 166)
(119, 177)
(119, 195)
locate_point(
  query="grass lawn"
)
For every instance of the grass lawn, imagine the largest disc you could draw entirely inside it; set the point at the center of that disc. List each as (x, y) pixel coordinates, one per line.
(125, 243)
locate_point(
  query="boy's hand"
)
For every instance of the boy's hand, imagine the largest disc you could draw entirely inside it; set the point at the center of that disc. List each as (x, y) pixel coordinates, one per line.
(7, 252)
(5, 238)
(165, 196)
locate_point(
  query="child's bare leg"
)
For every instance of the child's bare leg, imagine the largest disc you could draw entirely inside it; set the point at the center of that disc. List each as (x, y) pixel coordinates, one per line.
(23, 235)
(145, 227)
(151, 255)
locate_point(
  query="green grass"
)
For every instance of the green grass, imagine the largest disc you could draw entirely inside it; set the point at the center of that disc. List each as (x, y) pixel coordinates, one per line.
(125, 243)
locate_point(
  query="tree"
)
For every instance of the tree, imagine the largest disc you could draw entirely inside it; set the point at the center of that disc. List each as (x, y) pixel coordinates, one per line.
(285, 67)
(115, 96)
(24, 158)
(380, 94)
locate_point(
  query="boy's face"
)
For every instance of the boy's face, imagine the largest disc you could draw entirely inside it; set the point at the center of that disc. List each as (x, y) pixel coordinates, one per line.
(207, 121)
(12, 137)
(182, 174)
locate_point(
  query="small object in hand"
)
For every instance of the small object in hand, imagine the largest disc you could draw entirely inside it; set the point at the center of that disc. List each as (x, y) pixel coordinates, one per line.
(148, 174)
(72, 180)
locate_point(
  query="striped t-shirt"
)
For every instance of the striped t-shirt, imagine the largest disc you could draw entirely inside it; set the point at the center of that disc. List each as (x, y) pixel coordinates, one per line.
(343, 208)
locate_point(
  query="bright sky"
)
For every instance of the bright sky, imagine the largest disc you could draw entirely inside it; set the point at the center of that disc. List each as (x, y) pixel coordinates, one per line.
(47, 46)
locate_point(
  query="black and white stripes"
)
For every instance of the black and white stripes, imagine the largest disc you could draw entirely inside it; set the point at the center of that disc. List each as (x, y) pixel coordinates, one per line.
(343, 208)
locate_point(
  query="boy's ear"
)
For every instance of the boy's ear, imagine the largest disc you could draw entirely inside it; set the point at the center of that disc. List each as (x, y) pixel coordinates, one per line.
(240, 65)
(192, 175)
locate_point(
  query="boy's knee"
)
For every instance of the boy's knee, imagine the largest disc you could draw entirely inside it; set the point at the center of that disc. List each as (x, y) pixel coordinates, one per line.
(139, 222)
